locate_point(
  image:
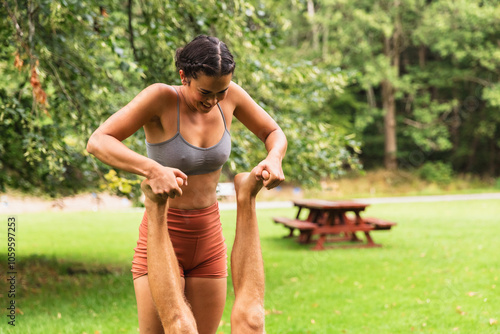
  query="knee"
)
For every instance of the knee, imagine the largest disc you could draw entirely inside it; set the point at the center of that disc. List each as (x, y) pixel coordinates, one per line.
(248, 319)
(181, 324)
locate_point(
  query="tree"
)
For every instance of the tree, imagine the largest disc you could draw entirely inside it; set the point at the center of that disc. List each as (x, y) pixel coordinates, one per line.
(462, 65)
(68, 65)
(427, 70)
(59, 77)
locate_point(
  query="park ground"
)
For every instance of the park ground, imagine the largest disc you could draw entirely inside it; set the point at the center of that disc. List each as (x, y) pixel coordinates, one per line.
(437, 271)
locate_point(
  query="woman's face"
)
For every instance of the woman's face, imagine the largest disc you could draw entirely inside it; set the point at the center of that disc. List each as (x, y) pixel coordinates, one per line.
(204, 92)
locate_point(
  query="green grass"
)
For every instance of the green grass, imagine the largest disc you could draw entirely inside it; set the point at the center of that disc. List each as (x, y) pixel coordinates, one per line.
(438, 272)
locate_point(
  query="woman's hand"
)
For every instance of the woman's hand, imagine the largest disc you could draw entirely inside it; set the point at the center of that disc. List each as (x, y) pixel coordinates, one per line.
(269, 170)
(166, 182)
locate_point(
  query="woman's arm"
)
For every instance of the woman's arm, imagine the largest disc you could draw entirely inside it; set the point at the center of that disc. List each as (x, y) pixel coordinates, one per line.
(106, 142)
(257, 120)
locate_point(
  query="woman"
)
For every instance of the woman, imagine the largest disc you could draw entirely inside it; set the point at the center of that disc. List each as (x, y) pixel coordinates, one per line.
(188, 140)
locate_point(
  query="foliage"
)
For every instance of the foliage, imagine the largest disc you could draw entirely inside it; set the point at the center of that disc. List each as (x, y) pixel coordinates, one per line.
(83, 60)
(60, 47)
(438, 172)
(326, 70)
(297, 96)
(464, 72)
(441, 59)
(122, 186)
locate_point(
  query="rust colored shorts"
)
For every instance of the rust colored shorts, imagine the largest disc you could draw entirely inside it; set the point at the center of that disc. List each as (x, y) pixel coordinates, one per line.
(197, 239)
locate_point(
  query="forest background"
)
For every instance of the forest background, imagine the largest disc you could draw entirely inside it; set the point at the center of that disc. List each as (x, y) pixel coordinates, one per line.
(362, 84)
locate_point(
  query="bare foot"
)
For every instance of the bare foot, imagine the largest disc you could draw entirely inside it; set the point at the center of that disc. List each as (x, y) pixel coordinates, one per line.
(246, 184)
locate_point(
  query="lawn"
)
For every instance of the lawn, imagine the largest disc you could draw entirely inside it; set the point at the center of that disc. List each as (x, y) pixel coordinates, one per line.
(438, 272)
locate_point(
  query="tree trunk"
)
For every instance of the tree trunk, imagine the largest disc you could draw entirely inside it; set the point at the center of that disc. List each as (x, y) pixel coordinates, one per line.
(314, 25)
(392, 51)
(33, 60)
(493, 157)
(131, 30)
(455, 124)
(370, 97)
(421, 56)
(295, 32)
(471, 160)
(326, 30)
(389, 105)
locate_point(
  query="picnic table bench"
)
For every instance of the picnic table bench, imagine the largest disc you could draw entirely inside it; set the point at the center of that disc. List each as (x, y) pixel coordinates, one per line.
(379, 224)
(326, 218)
(304, 227)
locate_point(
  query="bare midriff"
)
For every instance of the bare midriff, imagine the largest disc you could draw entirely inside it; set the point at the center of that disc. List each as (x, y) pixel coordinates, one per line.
(199, 193)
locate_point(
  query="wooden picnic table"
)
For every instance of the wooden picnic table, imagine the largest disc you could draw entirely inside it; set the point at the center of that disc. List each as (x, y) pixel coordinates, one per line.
(326, 218)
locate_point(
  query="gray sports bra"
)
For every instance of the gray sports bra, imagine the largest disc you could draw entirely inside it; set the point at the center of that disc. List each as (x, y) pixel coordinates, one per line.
(176, 152)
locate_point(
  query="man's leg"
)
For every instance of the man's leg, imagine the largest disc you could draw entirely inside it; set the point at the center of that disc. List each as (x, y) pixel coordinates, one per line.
(247, 266)
(149, 321)
(163, 269)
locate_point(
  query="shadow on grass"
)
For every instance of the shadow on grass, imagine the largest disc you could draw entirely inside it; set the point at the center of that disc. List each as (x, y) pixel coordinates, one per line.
(37, 265)
(47, 285)
(286, 243)
(38, 274)
(55, 295)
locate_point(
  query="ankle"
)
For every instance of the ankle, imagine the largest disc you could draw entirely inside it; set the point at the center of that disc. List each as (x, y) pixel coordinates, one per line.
(245, 199)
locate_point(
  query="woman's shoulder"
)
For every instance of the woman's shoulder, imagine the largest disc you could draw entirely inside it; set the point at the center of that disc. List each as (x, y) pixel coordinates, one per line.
(234, 87)
(238, 95)
(236, 92)
(161, 91)
(155, 101)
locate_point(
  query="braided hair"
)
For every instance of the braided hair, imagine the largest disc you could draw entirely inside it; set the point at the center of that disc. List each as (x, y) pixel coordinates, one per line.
(207, 55)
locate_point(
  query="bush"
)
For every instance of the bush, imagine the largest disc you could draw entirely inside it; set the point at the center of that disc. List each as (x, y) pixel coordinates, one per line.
(438, 172)
(122, 186)
(497, 183)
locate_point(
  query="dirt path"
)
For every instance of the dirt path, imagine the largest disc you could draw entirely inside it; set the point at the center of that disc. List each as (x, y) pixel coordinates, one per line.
(380, 200)
(91, 202)
(435, 198)
(85, 202)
